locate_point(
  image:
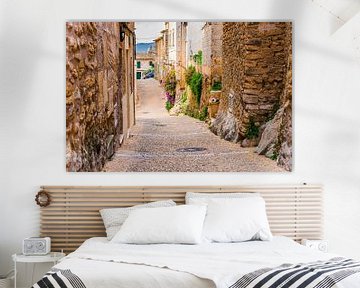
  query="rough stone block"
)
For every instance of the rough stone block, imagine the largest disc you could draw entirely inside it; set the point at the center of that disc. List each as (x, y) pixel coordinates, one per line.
(266, 107)
(251, 92)
(251, 107)
(250, 99)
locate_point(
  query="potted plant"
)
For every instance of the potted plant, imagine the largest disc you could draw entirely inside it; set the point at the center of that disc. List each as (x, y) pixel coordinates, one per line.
(214, 100)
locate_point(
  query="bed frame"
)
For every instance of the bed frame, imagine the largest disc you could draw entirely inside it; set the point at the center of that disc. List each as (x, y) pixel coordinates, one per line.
(73, 214)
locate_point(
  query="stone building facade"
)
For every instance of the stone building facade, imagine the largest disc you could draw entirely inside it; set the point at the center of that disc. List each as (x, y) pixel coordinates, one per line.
(254, 69)
(160, 56)
(99, 91)
(166, 46)
(170, 28)
(212, 58)
(143, 63)
(174, 48)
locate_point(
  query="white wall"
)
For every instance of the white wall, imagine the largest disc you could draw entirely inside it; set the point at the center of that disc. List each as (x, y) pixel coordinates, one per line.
(144, 66)
(32, 118)
(193, 39)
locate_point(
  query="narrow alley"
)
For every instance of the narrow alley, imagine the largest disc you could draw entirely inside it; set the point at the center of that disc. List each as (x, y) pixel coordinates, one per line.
(162, 143)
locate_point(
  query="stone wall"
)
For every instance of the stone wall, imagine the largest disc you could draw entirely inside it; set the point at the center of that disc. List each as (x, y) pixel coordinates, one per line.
(276, 138)
(285, 131)
(93, 93)
(254, 64)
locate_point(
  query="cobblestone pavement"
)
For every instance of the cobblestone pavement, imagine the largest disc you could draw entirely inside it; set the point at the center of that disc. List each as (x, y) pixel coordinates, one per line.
(159, 142)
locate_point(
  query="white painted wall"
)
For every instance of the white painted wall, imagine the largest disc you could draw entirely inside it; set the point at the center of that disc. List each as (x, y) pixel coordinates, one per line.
(32, 116)
(193, 39)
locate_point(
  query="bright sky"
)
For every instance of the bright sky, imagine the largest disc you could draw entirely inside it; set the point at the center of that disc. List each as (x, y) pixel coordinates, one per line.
(148, 31)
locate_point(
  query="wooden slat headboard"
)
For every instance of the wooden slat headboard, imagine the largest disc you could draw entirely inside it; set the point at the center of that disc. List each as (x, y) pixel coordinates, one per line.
(73, 215)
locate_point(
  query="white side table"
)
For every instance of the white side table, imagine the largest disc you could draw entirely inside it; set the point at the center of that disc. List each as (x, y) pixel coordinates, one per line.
(53, 257)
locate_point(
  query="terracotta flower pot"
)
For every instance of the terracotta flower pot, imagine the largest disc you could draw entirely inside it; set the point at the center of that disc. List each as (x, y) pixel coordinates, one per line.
(214, 102)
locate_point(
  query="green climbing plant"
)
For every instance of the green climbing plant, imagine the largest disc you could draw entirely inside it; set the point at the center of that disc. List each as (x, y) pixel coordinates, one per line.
(198, 57)
(189, 73)
(196, 85)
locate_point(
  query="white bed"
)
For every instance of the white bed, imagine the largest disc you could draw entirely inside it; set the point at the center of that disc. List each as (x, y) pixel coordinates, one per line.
(217, 228)
(99, 263)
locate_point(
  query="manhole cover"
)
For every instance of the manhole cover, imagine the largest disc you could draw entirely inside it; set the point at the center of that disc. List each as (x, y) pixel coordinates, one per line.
(160, 125)
(191, 149)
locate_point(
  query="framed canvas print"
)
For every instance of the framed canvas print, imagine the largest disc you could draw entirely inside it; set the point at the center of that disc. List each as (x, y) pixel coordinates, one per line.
(179, 96)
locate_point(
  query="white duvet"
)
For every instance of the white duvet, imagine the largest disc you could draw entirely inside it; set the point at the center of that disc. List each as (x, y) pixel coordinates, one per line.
(100, 263)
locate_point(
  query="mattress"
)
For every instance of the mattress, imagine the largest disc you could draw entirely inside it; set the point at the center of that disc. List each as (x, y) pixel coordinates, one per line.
(99, 263)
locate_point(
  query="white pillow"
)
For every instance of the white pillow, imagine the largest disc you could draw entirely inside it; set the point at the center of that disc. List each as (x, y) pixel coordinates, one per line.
(236, 220)
(180, 224)
(113, 218)
(204, 198)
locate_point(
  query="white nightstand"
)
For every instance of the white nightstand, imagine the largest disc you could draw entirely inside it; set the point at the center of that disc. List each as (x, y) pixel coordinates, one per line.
(53, 257)
(320, 245)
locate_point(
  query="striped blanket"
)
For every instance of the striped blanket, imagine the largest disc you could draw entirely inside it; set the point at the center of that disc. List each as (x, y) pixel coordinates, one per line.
(59, 278)
(320, 274)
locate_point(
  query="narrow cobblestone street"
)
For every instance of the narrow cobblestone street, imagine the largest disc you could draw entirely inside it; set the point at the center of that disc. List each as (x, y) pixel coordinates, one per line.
(159, 142)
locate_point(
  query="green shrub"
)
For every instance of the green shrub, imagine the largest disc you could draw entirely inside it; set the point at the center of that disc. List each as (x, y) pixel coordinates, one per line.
(274, 156)
(168, 105)
(192, 113)
(196, 85)
(216, 86)
(189, 73)
(184, 102)
(252, 130)
(203, 114)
